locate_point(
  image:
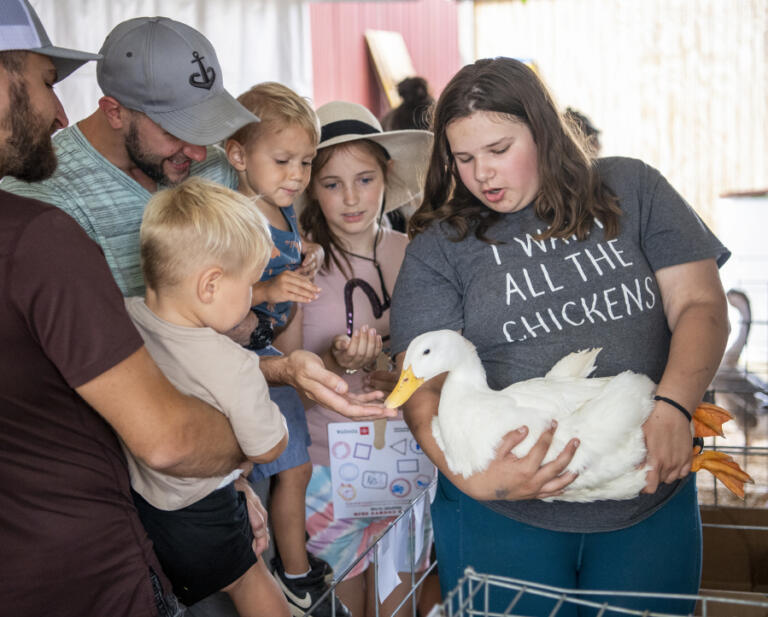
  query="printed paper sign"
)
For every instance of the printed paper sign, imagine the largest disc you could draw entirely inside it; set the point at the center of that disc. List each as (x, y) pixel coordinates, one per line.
(371, 481)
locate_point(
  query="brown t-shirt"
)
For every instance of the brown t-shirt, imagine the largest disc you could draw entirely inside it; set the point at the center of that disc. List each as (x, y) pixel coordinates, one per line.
(70, 540)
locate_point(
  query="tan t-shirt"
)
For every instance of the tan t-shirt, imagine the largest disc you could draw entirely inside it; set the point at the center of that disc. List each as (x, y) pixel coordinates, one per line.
(203, 363)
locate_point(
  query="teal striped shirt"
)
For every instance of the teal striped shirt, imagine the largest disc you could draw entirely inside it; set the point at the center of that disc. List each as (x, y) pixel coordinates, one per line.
(107, 202)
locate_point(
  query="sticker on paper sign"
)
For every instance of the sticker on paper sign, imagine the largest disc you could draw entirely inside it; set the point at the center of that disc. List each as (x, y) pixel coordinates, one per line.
(347, 492)
(374, 479)
(349, 472)
(422, 481)
(415, 447)
(407, 465)
(399, 446)
(341, 449)
(400, 487)
(362, 451)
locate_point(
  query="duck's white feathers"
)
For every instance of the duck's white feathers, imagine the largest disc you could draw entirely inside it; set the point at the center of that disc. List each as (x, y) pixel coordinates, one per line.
(577, 364)
(606, 414)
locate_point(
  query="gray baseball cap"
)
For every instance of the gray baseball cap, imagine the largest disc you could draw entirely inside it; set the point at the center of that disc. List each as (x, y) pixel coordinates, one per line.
(21, 30)
(170, 72)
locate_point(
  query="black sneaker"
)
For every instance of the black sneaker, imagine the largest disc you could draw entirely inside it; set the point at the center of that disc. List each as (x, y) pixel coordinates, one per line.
(302, 593)
(320, 566)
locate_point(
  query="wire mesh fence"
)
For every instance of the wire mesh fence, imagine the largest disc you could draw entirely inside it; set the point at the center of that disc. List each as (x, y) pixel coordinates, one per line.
(741, 387)
(476, 593)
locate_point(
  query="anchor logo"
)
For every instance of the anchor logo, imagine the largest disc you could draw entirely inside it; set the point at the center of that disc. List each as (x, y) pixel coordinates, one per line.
(206, 76)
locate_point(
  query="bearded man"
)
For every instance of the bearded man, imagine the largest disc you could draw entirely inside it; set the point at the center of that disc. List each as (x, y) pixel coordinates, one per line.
(74, 375)
(164, 102)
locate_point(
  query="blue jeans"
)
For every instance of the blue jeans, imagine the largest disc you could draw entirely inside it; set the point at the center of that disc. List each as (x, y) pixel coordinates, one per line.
(661, 554)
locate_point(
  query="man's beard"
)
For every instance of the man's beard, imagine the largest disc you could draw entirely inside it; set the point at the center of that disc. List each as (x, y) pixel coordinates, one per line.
(152, 167)
(28, 153)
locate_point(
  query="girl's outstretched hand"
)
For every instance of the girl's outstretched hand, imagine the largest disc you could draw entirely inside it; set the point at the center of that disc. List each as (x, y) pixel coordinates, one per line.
(359, 350)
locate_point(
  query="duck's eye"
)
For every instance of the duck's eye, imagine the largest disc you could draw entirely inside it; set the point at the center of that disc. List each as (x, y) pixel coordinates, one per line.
(426, 351)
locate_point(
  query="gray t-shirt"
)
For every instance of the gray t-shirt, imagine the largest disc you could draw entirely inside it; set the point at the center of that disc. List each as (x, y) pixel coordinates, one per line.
(526, 303)
(106, 201)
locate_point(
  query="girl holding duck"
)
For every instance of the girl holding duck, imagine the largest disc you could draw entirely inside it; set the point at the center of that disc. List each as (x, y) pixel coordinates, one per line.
(533, 249)
(360, 173)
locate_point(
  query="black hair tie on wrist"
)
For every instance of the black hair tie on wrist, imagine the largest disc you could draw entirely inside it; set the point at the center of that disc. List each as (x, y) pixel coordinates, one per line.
(674, 404)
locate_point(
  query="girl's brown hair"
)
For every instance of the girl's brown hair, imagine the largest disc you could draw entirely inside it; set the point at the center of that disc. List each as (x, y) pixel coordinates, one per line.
(571, 195)
(312, 219)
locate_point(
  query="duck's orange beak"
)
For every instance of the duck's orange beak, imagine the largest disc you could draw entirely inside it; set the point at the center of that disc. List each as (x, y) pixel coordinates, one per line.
(406, 386)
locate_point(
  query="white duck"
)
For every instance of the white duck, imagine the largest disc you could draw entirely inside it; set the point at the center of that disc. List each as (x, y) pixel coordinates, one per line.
(605, 413)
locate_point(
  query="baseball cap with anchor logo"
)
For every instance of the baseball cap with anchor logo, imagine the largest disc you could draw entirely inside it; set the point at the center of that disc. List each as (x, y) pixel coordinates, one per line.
(170, 72)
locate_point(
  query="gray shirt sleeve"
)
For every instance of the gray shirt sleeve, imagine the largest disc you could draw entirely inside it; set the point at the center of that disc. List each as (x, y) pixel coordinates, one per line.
(670, 231)
(426, 274)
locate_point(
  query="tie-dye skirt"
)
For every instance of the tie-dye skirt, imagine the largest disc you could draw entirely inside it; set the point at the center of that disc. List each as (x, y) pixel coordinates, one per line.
(340, 542)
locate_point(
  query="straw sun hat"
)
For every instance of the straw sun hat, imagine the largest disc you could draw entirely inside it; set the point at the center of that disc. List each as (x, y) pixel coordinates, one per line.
(343, 122)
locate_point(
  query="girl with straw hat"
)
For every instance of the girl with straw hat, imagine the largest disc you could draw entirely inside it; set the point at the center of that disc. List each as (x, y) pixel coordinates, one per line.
(359, 174)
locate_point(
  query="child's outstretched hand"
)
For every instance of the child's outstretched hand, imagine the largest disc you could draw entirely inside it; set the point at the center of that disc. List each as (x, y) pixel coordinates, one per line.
(288, 286)
(313, 258)
(357, 351)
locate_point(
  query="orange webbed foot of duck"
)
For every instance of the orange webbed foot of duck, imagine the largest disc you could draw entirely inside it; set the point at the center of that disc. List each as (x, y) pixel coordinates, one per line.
(724, 468)
(708, 420)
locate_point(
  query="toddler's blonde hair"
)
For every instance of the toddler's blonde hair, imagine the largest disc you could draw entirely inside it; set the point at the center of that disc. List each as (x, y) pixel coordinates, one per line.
(278, 107)
(198, 222)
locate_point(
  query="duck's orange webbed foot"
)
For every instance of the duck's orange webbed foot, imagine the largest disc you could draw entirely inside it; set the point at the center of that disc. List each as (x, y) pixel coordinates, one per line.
(708, 420)
(724, 468)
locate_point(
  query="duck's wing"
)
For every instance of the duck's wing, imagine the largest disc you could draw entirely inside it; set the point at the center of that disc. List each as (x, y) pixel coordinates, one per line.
(555, 397)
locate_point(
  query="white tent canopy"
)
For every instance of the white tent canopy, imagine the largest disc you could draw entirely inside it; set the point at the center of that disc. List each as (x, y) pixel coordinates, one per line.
(255, 40)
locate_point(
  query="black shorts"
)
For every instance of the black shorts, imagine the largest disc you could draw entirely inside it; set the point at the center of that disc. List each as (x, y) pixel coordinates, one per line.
(203, 547)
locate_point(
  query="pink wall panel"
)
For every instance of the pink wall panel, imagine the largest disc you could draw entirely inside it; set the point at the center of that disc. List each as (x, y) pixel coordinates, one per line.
(342, 68)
